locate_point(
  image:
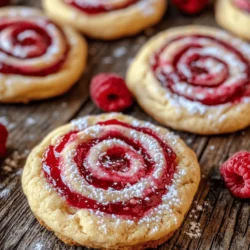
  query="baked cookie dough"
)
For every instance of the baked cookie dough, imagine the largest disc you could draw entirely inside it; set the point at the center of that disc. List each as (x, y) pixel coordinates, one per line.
(194, 78)
(234, 15)
(110, 19)
(111, 182)
(38, 58)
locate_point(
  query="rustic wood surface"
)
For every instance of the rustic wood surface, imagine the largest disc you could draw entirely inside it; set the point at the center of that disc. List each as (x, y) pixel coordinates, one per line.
(224, 221)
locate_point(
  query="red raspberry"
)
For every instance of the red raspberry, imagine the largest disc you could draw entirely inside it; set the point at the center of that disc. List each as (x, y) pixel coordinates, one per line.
(3, 140)
(236, 174)
(191, 6)
(110, 93)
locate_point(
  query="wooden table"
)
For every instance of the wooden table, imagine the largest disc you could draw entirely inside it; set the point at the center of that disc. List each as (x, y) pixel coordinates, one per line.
(224, 221)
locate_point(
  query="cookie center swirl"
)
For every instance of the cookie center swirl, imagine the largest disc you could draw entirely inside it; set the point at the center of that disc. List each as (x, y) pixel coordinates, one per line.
(204, 69)
(31, 46)
(100, 6)
(242, 4)
(111, 167)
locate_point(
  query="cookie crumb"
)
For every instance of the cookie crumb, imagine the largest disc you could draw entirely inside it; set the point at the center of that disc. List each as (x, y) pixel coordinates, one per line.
(193, 212)
(194, 231)
(13, 161)
(199, 208)
(206, 204)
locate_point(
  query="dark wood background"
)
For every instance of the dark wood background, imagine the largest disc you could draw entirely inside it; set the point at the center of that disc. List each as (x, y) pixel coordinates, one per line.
(224, 221)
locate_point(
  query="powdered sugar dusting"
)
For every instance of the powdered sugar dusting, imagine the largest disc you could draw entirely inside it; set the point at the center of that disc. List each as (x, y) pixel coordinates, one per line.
(154, 218)
(5, 193)
(80, 123)
(194, 231)
(209, 81)
(4, 120)
(181, 102)
(39, 246)
(29, 58)
(147, 7)
(70, 172)
(30, 121)
(119, 52)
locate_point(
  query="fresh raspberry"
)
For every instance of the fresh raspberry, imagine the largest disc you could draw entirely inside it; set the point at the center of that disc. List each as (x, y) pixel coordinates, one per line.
(236, 174)
(3, 140)
(110, 93)
(191, 6)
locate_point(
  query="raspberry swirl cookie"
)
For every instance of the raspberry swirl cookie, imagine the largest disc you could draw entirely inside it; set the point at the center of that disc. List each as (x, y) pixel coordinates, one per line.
(38, 59)
(107, 19)
(111, 182)
(234, 15)
(195, 79)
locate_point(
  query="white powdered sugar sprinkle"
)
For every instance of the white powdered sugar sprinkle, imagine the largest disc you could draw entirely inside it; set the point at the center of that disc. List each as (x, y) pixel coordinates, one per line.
(4, 120)
(194, 231)
(39, 246)
(147, 7)
(30, 121)
(119, 52)
(5, 193)
(223, 69)
(71, 176)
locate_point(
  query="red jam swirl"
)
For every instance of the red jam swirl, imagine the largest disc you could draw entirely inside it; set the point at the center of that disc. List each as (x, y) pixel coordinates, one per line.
(242, 4)
(198, 74)
(114, 161)
(99, 6)
(26, 46)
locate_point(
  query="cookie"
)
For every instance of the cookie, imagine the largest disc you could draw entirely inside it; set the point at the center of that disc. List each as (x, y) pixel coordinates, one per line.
(107, 20)
(38, 58)
(111, 182)
(234, 16)
(194, 78)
